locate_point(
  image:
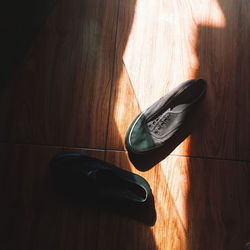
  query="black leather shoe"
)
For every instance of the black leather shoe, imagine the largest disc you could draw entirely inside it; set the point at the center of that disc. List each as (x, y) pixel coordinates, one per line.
(82, 176)
(158, 124)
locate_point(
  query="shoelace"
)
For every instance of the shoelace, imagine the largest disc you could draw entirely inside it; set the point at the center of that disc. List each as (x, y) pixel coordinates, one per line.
(156, 125)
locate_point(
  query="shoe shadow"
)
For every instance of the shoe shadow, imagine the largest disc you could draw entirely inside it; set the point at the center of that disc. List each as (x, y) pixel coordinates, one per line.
(144, 213)
(219, 187)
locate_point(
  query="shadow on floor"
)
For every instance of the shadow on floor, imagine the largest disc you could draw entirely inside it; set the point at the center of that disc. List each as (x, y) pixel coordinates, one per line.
(218, 200)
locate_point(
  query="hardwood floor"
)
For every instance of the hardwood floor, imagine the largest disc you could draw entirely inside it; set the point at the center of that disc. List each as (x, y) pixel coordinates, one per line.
(200, 204)
(93, 67)
(33, 215)
(198, 39)
(218, 204)
(64, 85)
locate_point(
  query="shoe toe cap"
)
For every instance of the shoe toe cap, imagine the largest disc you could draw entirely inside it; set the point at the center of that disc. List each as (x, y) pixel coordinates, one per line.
(138, 138)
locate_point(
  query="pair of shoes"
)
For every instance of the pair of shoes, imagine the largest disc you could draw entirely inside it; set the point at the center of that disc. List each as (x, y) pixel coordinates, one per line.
(82, 176)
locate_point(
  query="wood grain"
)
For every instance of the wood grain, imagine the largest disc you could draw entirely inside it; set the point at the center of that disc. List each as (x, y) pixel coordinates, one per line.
(122, 232)
(200, 204)
(60, 95)
(218, 204)
(212, 200)
(123, 109)
(124, 105)
(33, 215)
(224, 62)
(96, 65)
(170, 42)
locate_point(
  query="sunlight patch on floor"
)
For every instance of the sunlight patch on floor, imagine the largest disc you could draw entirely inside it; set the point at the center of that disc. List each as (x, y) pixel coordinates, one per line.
(160, 54)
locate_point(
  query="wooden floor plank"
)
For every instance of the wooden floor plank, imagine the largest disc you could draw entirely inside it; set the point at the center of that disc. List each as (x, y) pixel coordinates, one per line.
(60, 95)
(124, 105)
(223, 56)
(212, 200)
(218, 205)
(82, 87)
(200, 204)
(124, 232)
(123, 109)
(33, 215)
(170, 42)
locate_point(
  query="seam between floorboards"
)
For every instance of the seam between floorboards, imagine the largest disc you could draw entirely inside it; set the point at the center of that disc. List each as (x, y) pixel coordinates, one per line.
(123, 151)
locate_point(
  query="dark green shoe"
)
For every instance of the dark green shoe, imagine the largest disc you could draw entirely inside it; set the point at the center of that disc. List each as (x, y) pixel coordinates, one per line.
(157, 125)
(84, 177)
